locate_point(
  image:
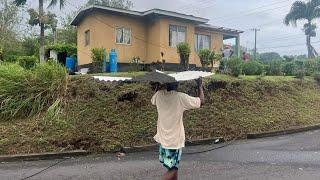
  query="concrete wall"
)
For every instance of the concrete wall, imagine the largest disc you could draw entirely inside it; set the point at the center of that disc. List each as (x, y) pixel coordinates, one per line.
(103, 34)
(216, 41)
(153, 41)
(149, 38)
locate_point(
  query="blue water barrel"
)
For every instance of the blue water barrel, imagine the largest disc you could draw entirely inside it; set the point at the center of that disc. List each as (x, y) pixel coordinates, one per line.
(113, 61)
(71, 64)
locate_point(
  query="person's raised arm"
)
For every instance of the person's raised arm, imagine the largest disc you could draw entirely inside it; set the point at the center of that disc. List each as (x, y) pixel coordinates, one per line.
(200, 90)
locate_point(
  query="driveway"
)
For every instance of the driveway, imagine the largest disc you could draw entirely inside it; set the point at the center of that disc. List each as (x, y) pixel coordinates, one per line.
(286, 157)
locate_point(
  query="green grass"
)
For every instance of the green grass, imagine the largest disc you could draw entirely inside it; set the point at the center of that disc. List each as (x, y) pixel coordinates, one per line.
(93, 117)
(223, 77)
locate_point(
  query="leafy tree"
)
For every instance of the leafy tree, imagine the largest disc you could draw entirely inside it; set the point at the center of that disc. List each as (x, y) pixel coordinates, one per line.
(41, 18)
(30, 46)
(68, 33)
(121, 4)
(309, 11)
(9, 20)
(269, 56)
(288, 58)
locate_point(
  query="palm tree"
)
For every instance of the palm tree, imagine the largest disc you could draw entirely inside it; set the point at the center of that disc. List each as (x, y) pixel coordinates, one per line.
(309, 11)
(41, 15)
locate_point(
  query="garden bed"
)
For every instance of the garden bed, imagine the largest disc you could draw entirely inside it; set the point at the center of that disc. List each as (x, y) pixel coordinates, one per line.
(103, 116)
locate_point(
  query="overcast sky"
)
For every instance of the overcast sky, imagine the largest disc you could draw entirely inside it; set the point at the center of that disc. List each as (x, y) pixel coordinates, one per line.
(267, 15)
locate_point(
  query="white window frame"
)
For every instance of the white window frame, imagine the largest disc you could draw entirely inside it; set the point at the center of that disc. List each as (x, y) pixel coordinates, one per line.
(174, 45)
(87, 37)
(197, 46)
(116, 33)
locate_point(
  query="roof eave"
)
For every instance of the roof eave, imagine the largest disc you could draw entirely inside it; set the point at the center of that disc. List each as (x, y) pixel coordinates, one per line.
(83, 11)
(76, 20)
(222, 29)
(176, 15)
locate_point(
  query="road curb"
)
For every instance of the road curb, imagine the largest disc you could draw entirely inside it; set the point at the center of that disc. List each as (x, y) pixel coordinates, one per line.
(282, 132)
(154, 147)
(42, 156)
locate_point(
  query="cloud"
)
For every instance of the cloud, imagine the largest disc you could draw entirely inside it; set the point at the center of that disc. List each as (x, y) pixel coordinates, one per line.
(244, 15)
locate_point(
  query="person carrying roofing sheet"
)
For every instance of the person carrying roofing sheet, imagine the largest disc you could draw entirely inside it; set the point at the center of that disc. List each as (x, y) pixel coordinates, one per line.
(170, 130)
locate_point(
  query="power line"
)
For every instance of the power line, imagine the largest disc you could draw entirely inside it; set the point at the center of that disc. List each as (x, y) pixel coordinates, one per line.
(292, 45)
(192, 5)
(247, 12)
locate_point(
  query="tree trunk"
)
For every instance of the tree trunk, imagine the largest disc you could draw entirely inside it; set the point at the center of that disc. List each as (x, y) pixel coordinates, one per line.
(42, 43)
(308, 46)
(309, 40)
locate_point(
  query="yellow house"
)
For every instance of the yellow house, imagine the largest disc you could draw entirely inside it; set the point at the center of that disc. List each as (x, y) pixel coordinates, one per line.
(146, 35)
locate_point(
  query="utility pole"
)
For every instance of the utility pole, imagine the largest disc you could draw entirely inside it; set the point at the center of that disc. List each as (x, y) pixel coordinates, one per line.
(255, 42)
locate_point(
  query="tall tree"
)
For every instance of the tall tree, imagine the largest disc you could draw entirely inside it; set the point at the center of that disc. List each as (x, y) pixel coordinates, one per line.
(269, 56)
(121, 4)
(41, 20)
(9, 25)
(308, 11)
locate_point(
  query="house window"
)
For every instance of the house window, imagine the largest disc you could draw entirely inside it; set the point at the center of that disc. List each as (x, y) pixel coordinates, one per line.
(202, 42)
(177, 34)
(87, 38)
(123, 36)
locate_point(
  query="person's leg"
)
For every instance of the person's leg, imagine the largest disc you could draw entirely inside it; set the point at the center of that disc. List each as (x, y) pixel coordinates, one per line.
(171, 175)
(170, 159)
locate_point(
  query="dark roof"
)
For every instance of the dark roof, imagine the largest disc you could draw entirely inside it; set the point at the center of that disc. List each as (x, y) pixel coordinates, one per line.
(83, 12)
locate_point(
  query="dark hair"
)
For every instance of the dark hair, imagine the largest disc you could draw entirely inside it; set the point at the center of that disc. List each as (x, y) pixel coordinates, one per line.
(172, 86)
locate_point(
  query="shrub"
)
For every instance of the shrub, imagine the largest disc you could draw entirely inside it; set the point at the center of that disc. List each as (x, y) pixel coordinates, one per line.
(301, 72)
(69, 49)
(274, 68)
(234, 66)
(33, 91)
(1, 54)
(10, 58)
(135, 64)
(316, 77)
(184, 51)
(98, 54)
(253, 68)
(311, 66)
(222, 65)
(205, 57)
(27, 62)
(289, 68)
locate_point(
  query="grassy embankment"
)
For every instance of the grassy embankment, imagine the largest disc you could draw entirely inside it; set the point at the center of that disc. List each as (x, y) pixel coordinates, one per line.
(101, 116)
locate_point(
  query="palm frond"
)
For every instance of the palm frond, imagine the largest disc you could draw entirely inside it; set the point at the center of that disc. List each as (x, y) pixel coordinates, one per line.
(315, 9)
(55, 2)
(297, 12)
(20, 2)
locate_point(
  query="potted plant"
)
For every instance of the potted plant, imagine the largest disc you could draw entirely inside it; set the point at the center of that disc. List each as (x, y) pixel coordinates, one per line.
(204, 55)
(184, 51)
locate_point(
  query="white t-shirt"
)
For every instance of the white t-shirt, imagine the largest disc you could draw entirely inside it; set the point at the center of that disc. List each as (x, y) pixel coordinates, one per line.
(227, 53)
(170, 106)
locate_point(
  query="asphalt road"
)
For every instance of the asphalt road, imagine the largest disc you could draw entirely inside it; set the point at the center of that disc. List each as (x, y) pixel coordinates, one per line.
(287, 157)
